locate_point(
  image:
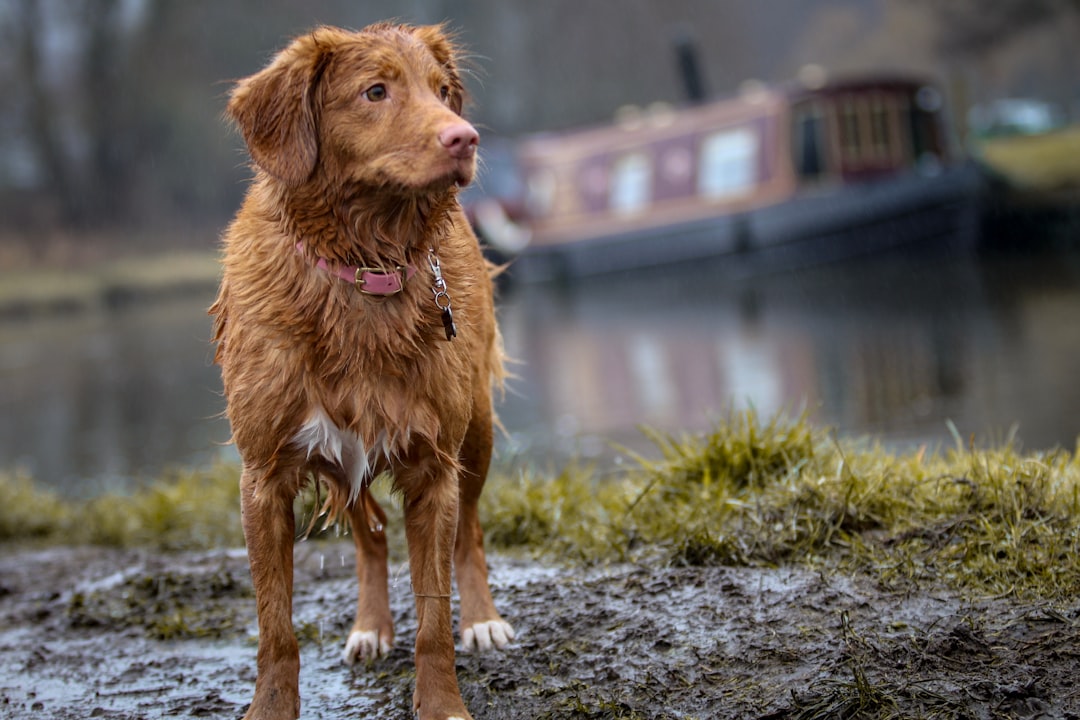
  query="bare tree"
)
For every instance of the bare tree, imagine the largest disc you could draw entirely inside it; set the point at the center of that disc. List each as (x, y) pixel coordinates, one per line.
(106, 116)
(39, 114)
(77, 111)
(975, 27)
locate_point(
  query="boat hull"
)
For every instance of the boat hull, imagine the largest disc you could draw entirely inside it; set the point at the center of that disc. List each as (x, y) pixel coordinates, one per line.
(814, 227)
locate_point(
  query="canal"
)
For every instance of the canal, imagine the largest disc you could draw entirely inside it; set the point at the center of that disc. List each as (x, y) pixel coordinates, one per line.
(896, 349)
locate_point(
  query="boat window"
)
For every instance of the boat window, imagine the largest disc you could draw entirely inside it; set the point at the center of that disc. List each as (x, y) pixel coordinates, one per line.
(729, 162)
(850, 140)
(631, 183)
(925, 147)
(879, 128)
(540, 192)
(809, 142)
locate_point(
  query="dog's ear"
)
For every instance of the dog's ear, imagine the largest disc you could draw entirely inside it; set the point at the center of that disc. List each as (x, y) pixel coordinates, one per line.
(444, 48)
(276, 111)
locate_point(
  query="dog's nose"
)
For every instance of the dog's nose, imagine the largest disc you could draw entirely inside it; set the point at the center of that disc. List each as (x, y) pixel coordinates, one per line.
(460, 139)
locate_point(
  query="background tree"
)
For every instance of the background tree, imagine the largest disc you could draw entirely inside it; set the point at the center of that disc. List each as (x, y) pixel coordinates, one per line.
(976, 27)
(111, 121)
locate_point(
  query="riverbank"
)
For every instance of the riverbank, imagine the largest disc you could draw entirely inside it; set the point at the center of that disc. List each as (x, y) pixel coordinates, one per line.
(127, 635)
(105, 283)
(764, 569)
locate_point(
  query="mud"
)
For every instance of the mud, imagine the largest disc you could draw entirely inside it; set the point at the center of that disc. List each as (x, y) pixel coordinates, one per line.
(92, 633)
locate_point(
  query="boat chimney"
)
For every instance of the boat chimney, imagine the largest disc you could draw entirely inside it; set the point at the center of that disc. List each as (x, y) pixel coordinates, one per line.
(686, 53)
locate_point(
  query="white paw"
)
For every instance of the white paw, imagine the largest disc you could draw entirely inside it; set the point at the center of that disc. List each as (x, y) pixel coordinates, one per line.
(486, 635)
(364, 646)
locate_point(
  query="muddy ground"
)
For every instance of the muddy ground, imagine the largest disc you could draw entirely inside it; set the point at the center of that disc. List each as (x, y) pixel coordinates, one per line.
(93, 633)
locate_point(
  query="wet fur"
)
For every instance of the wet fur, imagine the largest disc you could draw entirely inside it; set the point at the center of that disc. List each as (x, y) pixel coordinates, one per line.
(359, 182)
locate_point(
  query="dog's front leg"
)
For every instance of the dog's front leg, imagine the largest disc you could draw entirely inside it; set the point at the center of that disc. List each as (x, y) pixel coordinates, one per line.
(269, 530)
(431, 508)
(481, 626)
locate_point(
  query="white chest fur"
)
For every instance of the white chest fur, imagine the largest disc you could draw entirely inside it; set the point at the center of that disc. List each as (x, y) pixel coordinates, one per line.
(320, 436)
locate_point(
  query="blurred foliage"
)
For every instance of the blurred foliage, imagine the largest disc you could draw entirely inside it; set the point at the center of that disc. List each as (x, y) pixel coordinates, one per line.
(975, 27)
(993, 521)
(1049, 161)
(185, 509)
(28, 512)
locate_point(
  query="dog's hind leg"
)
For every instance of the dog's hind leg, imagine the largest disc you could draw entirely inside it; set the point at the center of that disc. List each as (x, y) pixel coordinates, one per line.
(481, 626)
(372, 633)
(269, 531)
(429, 489)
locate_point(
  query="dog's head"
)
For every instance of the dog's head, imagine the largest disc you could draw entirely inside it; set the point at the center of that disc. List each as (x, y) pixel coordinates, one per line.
(380, 107)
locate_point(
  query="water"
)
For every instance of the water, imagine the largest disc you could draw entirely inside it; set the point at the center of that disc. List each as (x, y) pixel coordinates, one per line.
(890, 348)
(894, 348)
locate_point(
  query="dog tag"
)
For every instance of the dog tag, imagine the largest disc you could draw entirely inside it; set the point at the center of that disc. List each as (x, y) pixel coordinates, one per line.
(448, 324)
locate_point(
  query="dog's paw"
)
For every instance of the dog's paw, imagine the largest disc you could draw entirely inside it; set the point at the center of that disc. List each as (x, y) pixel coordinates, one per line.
(365, 646)
(484, 636)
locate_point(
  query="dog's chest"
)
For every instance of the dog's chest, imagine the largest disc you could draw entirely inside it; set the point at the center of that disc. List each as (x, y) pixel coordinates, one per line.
(321, 437)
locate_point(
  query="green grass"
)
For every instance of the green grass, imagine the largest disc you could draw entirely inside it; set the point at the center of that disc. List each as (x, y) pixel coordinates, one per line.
(984, 521)
(987, 522)
(1050, 161)
(185, 509)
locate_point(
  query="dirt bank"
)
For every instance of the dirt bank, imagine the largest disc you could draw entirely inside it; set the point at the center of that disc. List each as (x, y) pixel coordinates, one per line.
(105, 283)
(87, 632)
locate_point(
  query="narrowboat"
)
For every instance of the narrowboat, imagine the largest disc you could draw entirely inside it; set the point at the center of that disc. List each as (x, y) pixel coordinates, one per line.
(776, 178)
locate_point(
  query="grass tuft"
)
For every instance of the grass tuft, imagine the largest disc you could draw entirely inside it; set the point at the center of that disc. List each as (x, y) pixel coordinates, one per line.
(988, 522)
(739, 453)
(748, 492)
(185, 509)
(28, 512)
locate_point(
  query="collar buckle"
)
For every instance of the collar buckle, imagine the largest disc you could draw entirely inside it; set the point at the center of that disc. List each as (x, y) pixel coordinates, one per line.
(378, 281)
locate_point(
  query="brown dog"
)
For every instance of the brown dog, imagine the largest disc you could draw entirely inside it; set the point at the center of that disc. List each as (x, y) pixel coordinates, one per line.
(356, 335)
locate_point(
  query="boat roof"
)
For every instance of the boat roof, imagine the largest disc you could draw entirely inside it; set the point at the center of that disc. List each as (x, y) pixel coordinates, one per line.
(662, 121)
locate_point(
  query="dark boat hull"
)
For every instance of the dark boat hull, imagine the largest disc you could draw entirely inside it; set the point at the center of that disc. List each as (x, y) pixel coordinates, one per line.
(815, 227)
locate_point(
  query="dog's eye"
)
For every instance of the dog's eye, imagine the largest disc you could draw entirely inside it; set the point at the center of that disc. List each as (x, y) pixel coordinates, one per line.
(444, 92)
(375, 93)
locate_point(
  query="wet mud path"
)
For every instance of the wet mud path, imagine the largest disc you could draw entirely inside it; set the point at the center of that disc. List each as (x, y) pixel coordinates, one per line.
(87, 632)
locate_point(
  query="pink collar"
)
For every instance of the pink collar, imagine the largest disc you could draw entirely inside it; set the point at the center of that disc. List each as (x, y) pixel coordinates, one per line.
(370, 281)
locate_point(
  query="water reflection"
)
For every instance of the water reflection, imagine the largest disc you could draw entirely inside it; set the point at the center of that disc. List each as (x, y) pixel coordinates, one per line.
(894, 348)
(890, 348)
(92, 402)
